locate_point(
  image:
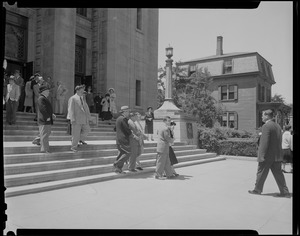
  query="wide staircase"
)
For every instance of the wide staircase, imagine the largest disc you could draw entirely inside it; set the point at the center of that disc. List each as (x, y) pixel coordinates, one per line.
(27, 170)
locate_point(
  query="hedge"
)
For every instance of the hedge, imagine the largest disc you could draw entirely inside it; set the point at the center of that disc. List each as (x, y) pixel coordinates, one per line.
(228, 141)
(238, 147)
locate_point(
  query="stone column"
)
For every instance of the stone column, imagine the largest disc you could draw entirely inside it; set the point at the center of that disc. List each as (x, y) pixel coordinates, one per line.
(58, 33)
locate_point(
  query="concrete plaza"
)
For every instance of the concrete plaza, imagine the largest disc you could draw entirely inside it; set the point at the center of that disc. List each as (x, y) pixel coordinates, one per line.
(207, 196)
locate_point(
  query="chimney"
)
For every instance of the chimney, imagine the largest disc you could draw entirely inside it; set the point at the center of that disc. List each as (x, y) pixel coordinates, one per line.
(219, 45)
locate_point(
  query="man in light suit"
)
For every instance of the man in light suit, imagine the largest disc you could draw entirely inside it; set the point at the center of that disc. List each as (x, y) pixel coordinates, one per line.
(163, 164)
(79, 116)
(270, 156)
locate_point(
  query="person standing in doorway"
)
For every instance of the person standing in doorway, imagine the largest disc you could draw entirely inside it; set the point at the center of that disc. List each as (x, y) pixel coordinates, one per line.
(163, 164)
(45, 117)
(270, 156)
(12, 98)
(106, 114)
(79, 116)
(20, 82)
(113, 106)
(90, 99)
(149, 117)
(61, 93)
(123, 134)
(34, 82)
(28, 96)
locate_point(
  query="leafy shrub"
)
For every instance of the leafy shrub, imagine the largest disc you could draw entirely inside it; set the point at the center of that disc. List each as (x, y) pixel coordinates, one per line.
(228, 141)
(238, 147)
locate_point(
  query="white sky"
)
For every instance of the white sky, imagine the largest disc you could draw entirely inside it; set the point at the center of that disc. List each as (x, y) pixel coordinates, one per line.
(267, 30)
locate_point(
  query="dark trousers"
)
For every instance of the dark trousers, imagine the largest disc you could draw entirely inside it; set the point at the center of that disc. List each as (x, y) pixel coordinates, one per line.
(262, 173)
(11, 111)
(123, 156)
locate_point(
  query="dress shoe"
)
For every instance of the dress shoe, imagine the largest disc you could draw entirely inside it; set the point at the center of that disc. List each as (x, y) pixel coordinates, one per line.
(82, 142)
(74, 150)
(119, 171)
(175, 174)
(254, 192)
(287, 195)
(139, 168)
(160, 177)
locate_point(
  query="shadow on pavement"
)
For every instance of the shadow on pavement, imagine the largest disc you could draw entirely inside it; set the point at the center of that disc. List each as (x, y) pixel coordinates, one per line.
(275, 195)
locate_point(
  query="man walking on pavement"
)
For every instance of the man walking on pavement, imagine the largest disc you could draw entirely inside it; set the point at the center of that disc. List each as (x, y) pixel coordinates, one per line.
(123, 134)
(270, 156)
(79, 116)
(164, 140)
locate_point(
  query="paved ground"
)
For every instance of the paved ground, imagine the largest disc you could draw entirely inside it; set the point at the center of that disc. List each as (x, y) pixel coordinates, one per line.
(208, 196)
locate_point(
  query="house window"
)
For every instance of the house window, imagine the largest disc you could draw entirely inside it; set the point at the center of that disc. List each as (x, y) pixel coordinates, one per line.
(138, 93)
(227, 66)
(263, 67)
(81, 11)
(192, 70)
(139, 18)
(229, 120)
(228, 92)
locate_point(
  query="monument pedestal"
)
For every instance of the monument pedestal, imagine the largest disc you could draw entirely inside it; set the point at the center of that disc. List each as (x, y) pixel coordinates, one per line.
(186, 127)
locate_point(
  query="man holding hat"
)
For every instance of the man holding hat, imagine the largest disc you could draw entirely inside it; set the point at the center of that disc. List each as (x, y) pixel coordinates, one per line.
(12, 98)
(45, 117)
(123, 132)
(79, 116)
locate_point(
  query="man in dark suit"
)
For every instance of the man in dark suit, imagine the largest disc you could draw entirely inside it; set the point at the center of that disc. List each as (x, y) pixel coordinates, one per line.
(45, 117)
(123, 134)
(270, 156)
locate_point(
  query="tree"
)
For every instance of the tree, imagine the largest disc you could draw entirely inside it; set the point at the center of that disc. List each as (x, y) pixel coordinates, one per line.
(192, 94)
(284, 109)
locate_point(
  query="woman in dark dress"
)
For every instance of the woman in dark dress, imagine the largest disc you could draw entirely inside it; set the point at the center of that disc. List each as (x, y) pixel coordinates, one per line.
(149, 117)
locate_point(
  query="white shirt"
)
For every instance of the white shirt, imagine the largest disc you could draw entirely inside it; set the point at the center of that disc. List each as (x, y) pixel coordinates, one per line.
(286, 140)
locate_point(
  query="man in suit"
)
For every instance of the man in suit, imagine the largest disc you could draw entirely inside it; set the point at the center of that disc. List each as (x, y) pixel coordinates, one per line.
(163, 164)
(123, 134)
(20, 82)
(134, 140)
(270, 156)
(12, 98)
(45, 117)
(79, 116)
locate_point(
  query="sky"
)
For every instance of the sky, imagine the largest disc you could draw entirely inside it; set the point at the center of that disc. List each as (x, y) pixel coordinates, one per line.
(267, 30)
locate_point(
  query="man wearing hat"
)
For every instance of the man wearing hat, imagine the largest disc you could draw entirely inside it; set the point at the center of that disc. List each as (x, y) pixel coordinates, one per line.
(45, 117)
(79, 116)
(123, 134)
(12, 98)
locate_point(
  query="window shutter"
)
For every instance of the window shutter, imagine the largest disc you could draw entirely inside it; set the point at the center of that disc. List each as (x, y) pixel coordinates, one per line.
(219, 93)
(235, 92)
(236, 120)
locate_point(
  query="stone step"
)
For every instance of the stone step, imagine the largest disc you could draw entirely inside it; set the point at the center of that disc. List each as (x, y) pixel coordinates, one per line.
(32, 127)
(64, 146)
(11, 138)
(30, 117)
(53, 175)
(53, 133)
(64, 153)
(47, 164)
(65, 183)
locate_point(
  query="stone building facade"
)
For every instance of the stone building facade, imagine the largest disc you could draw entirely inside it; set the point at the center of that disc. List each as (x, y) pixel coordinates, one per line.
(102, 47)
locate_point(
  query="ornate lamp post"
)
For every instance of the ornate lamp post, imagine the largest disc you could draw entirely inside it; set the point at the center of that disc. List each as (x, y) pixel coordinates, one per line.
(168, 102)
